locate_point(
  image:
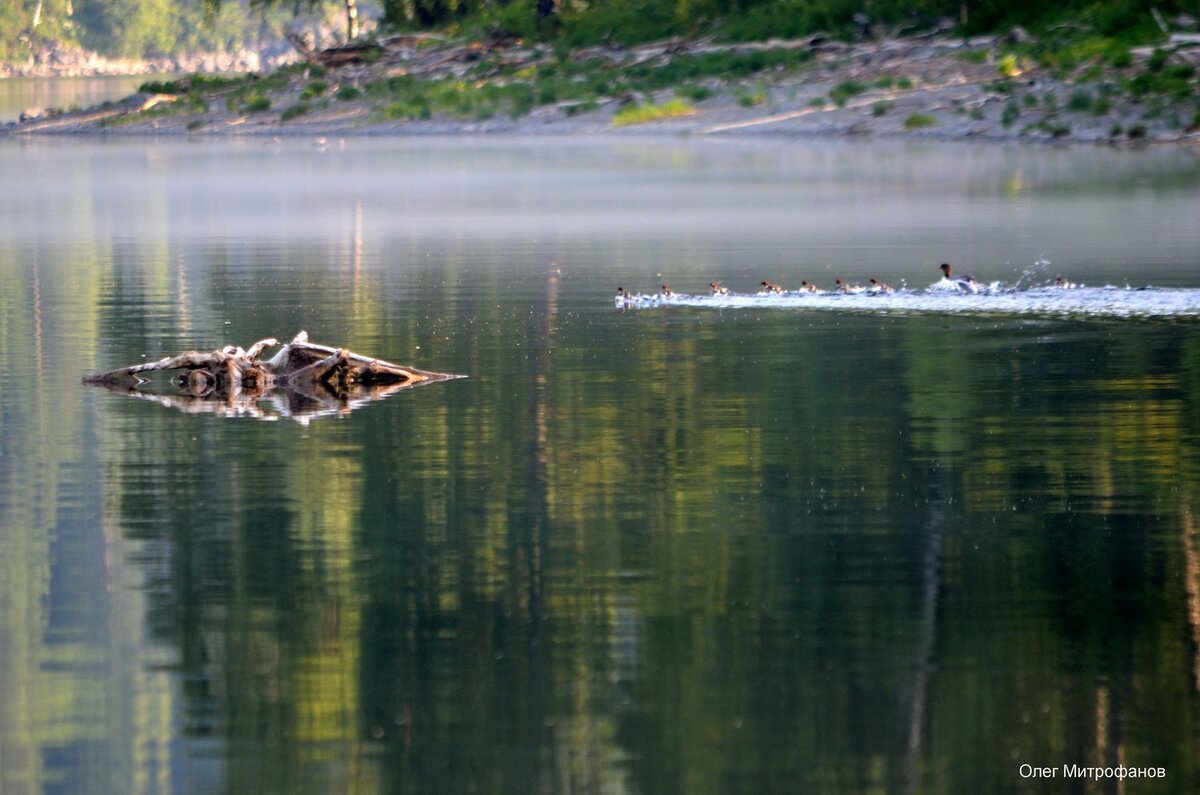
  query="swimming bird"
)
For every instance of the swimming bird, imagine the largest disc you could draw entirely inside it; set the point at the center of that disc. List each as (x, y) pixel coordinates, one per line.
(718, 289)
(845, 287)
(667, 291)
(623, 294)
(768, 287)
(809, 287)
(1063, 284)
(879, 287)
(965, 283)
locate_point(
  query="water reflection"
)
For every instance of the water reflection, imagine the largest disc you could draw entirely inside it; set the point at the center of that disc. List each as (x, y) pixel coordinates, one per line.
(700, 550)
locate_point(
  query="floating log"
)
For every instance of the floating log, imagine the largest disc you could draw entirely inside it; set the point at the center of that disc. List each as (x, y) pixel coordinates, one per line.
(302, 375)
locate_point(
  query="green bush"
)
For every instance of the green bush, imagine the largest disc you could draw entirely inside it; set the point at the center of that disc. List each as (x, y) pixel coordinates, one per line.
(315, 88)
(1080, 102)
(919, 120)
(1011, 113)
(164, 87)
(291, 112)
(256, 104)
(842, 92)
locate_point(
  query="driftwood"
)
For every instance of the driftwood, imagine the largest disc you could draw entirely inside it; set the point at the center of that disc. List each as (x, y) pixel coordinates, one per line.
(301, 380)
(354, 52)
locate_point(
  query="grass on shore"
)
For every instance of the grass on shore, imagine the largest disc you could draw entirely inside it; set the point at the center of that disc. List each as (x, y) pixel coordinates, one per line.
(640, 114)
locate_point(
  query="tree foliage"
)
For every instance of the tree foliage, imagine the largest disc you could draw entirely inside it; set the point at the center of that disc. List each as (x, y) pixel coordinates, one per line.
(155, 27)
(640, 20)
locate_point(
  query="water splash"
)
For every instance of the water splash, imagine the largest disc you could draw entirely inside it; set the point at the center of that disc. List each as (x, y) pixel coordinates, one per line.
(1110, 301)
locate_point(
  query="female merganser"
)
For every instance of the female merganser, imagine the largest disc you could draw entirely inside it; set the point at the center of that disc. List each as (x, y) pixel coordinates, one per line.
(965, 283)
(768, 287)
(843, 287)
(879, 287)
(717, 289)
(1063, 284)
(623, 294)
(809, 287)
(667, 291)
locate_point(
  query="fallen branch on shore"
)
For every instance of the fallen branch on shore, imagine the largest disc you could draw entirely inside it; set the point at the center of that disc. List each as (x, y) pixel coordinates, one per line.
(304, 378)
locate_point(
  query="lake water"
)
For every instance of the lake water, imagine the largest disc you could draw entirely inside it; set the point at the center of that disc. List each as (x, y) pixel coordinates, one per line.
(21, 93)
(702, 546)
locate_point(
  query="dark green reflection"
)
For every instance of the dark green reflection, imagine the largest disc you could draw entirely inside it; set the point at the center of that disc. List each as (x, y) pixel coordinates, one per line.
(693, 552)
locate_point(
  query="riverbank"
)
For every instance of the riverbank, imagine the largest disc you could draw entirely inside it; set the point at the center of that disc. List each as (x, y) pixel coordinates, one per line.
(928, 86)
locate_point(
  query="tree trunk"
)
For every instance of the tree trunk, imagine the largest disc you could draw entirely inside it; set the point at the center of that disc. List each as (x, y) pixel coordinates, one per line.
(351, 20)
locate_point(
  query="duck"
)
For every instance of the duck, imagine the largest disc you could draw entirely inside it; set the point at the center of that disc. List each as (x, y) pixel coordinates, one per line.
(809, 287)
(768, 287)
(879, 287)
(1063, 284)
(965, 283)
(718, 289)
(623, 295)
(842, 286)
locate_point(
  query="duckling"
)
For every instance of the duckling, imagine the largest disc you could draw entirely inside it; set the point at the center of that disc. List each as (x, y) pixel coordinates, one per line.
(623, 295)
(718, 289)
(879, 287)
(667, 291)
(1063, 284)
(845, 287)
(809, 287)
(769, 287)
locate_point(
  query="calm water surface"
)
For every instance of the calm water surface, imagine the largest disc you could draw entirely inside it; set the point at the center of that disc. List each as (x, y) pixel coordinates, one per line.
(693, 549)
(20, 93)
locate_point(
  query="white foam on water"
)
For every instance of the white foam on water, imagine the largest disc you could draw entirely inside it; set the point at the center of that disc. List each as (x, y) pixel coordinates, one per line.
(1093, 302)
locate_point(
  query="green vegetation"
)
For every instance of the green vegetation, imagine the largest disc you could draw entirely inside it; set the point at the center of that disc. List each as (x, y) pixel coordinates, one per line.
(694, 93)
(1080, 102)
(640, 114)
(292, 111)
(256, 104)
(315, 88)
(748, 99)
(842, 93)
(1008, 65)
(919, 120)
(406, 97)
(1055, 128)
(1075, 29)
(1011, 113)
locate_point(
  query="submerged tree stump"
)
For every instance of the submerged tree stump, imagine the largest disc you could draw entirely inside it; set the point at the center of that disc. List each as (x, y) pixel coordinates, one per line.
(302, 372)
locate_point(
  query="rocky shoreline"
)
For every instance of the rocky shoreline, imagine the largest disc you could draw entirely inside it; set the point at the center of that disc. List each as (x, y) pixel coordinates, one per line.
(933, 87)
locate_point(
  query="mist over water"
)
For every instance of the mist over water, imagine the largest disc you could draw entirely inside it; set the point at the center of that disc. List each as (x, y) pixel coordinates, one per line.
(901, 542)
